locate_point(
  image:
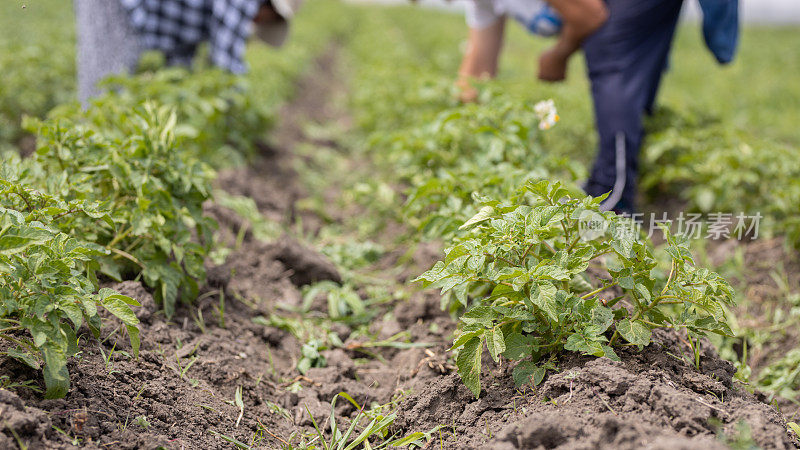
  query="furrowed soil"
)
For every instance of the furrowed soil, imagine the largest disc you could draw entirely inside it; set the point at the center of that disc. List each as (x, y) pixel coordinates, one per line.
(181, 392)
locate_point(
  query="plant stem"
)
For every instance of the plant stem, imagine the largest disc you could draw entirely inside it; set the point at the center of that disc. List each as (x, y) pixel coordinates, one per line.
(652, 305)
(500, 258)
(119, 237)
(669, 279)
(571, 246)
(525, 254)
(549, 247)
(58, 216)
(30, 208)
(599, 290)
(6, 330)
(127, 256)
(614, 338)
(18, 342)
(566, 232)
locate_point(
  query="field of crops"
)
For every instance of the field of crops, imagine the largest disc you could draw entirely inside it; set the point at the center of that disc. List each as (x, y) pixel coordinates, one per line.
(332, 252)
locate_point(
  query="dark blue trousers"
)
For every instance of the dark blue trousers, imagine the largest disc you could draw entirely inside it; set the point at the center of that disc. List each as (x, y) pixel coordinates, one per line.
(626, 59)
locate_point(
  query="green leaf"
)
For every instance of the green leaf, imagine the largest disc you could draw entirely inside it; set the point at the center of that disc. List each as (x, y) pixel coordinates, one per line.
(610, 353)
(416, 438)
(18, 239)
(468, 363)
(528, 372)
(578, 342)
(517, 346)
(74, 313)
(626, 283)
(623, 239)
(483, 215)
(602, 318)
(40, 332)
(71, 339)
(634, 332)
(56, 376)
(495, 342)
(483, 315)
(465, 337)
(117, 304)
(133, 332)
(644, 292)
(24, 357)
(551, 272)
(579, 283)
(110, 268)
(543, 296)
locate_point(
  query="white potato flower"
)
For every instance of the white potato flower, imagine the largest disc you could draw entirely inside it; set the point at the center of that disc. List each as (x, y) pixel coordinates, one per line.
(547, 114)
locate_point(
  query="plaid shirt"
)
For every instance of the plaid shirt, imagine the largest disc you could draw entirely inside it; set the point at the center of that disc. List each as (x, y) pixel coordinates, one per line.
(177, 27)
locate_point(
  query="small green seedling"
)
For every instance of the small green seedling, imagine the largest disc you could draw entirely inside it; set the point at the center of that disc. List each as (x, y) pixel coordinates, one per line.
(239, 404)
(142, 422)
(342, 439)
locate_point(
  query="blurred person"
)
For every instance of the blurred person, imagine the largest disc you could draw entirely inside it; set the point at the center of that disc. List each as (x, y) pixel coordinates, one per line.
(626, 44)
(626, 59)
(571, 20)
(113, 34)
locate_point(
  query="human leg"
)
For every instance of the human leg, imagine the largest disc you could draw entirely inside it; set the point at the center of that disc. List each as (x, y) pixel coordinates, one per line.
(625, 59)
(107, 44)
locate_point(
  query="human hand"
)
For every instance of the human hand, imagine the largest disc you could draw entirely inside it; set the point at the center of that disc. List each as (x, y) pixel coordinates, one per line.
(267, 14)
(467, 93)
(553, 65)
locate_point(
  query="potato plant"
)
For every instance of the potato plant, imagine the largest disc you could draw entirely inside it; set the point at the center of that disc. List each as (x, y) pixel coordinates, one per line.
(48, 283)
(218, 120)
(490, 148)
(548, 272)
(133, 164)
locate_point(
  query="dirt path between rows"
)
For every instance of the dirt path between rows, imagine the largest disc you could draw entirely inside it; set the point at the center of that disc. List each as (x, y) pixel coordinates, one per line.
(182, 391)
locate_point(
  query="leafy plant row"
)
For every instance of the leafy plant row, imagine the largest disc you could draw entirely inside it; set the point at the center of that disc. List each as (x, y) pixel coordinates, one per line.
(48, 281)
(117, 198)
(116, 191)
(686, 153)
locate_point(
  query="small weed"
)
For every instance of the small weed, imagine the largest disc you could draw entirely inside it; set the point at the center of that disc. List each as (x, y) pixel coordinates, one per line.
(239, 404)
(142, 422)
(279, 410)
(741, 439)
(344, 439)
(19, 440)
(199, 321)
(271, 362)
(221, 309)
(231, 440)
(6, 383)
(207, 407)
(73, 440)
(420, 439)
(109, 364)
(181, 370)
